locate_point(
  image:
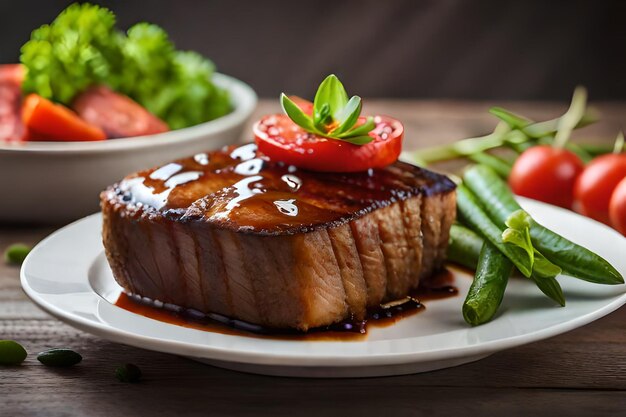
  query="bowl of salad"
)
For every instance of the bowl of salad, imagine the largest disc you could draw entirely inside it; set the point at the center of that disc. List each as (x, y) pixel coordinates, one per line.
(89, 103)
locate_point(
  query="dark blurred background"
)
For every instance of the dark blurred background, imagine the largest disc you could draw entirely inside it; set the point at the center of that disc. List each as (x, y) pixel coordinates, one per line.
(408, 49)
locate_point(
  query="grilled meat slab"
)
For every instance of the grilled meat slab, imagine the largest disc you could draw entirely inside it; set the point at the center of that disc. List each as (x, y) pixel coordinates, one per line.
(232, 233)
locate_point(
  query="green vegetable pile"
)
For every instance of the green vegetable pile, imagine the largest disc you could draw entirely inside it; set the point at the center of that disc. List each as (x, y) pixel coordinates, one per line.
(82, 47)
(518, 133)
(496, 237)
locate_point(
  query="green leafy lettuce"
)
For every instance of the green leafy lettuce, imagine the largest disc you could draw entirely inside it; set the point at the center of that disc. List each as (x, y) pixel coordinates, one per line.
(78, 49)
(82, 47)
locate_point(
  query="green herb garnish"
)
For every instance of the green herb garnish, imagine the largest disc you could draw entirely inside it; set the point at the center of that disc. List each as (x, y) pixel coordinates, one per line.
(518, 233)
(334, 115)
(82, 47)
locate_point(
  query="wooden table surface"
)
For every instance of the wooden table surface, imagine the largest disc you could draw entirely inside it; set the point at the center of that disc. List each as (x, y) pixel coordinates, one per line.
(582, 372)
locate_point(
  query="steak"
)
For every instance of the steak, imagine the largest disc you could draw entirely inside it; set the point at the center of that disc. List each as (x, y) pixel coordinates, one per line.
(230, 232)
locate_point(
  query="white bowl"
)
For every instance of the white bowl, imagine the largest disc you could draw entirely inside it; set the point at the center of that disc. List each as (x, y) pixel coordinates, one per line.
(55, 182)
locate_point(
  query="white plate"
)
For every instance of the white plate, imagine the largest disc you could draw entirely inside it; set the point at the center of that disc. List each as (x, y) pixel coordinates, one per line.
(68, 276)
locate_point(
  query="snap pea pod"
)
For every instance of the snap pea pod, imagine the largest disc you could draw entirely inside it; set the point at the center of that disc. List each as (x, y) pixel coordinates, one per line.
(521, 147)
(595, 149)
(61, 358)
(487, 290)
(515, 121)
(575, 260)
(464, 246)
(537, 130)
(544, 132)
(540, 129)
(550, 287)
(473, 215)
(542, 273)
(11, 352)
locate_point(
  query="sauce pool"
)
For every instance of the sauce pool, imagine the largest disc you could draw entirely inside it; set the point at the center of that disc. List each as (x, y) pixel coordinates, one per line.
(440, 286)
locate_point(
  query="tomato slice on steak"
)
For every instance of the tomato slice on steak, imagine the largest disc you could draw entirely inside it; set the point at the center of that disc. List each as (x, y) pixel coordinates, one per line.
(280, 139)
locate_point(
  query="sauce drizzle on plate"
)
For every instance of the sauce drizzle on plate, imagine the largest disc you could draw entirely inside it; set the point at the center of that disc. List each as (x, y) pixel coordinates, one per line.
(439, 287)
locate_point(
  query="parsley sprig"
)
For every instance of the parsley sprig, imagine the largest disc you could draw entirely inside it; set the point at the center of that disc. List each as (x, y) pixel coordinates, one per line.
(334, 115)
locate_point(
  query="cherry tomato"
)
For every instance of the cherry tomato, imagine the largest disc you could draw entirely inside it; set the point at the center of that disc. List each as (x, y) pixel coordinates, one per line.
(595, 185)
(617, 207)
(546, 174)
(282, 140)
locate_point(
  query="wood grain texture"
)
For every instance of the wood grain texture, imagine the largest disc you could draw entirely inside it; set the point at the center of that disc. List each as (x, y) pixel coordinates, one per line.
(580, 373)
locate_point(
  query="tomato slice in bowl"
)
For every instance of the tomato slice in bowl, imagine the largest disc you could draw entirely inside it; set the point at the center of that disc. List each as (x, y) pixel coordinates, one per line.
(280, 139)
(118, 115)
(12, 74)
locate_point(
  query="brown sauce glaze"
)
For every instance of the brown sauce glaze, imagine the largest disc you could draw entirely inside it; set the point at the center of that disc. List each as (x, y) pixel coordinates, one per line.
(239, 189)
(439, 286)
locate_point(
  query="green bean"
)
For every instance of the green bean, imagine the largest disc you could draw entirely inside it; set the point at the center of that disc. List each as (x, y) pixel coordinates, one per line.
(473, 215)
(575, 260)
(596, 149)
(549, 127)
(536, 130)
(521, 147)
(464, 246)
(585, 156)
(498, 165)
(464, 249)
(550, 287)
(515, 121)
(513, 130)
(542, 273)
(11, 353)
(487, 290)
(544, 132)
